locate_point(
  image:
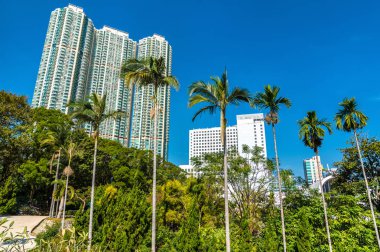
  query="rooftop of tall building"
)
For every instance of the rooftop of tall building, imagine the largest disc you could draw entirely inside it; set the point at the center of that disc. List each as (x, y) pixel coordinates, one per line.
(75, 8)
(114, 30)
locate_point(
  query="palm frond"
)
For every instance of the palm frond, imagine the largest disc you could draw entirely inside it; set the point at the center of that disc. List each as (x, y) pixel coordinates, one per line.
(349, 118)
(312, 130)
(211, 109)
(239, 95)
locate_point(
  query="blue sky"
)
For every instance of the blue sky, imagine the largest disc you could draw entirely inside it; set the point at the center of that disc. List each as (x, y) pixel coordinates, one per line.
(318, 52)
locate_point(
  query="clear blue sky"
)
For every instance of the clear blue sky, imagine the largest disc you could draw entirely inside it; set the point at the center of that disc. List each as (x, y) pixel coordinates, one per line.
(318, 52)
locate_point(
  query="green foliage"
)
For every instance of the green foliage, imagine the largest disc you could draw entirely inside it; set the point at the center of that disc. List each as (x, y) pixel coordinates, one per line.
(349, 167)
(269, 99)
(35, 175)
(50, 232)
(67, 240)
(8, 196)
(190, 211)
(121, 218)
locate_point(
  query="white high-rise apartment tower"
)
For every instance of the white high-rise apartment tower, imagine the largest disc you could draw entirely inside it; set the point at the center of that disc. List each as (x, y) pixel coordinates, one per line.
(111, 49)
(79, 60)
(65, 61)
(142, 123)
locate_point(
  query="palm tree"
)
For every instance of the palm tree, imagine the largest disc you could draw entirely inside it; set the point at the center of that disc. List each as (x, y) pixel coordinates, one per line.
(218, 96)
(93, 112)
(56, 137)
(349, 119)
(60, 195)
(312, 133)
(150, 72)
(68, 171)
(71, 151)
(269, 100)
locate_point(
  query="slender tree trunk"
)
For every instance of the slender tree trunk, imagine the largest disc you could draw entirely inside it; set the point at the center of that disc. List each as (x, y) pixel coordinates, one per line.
(51, 213)
(279, 188)
(226, 210)
(60, 209)
(367, 187)
(154, 176)
(64, 203)
(323, 200)
(92, 194)
(129, 116)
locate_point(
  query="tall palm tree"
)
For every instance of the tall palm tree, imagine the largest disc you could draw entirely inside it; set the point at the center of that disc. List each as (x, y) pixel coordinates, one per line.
(68, 171)
(93, 112)
(218, 96)
(312, 133)
(350, 119)
(56, 137)
(150, 72)
(71, 151)
(60, 194)
(269, 99)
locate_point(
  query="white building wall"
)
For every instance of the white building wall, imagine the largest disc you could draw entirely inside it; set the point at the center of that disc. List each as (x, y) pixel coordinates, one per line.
(251, 132)
(204, 141)
(142, 123)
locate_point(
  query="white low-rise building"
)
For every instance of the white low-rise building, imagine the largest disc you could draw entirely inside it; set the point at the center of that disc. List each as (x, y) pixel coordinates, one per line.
(249, 130)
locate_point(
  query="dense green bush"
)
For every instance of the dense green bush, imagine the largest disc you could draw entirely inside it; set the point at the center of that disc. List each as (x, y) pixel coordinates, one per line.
(50, 232)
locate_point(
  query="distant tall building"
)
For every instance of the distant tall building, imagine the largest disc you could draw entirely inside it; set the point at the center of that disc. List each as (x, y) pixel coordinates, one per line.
(111, 48)
(79, 60)
(142, 123)
(65, 61)
(310, 169)
(249, 131)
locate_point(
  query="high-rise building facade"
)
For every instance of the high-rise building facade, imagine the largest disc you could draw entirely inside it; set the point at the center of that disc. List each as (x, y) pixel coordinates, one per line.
(203, 141)
(65, 61)
(142, 135)
(311, 171)
(111, 49)
(249, 131)
(79, 60)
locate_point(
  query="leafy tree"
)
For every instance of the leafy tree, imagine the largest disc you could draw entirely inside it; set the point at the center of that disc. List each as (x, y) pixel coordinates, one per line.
(35, 175)
(218, 96)
(93, 112)
(14, 118)
(270, 100)
(312, 133)
(249, 181)
(349, 119)
(8, 196)
(146, 72)
(349, 168)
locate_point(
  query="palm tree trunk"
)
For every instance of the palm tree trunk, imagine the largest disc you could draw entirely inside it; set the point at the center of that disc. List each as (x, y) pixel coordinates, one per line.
(154, 177)
(92, 194)
(64, 203)
(60, 208)
(279, 188)
(129, 116)
(323, 200)
(51, 213)
(226, 210)
(367, 187)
